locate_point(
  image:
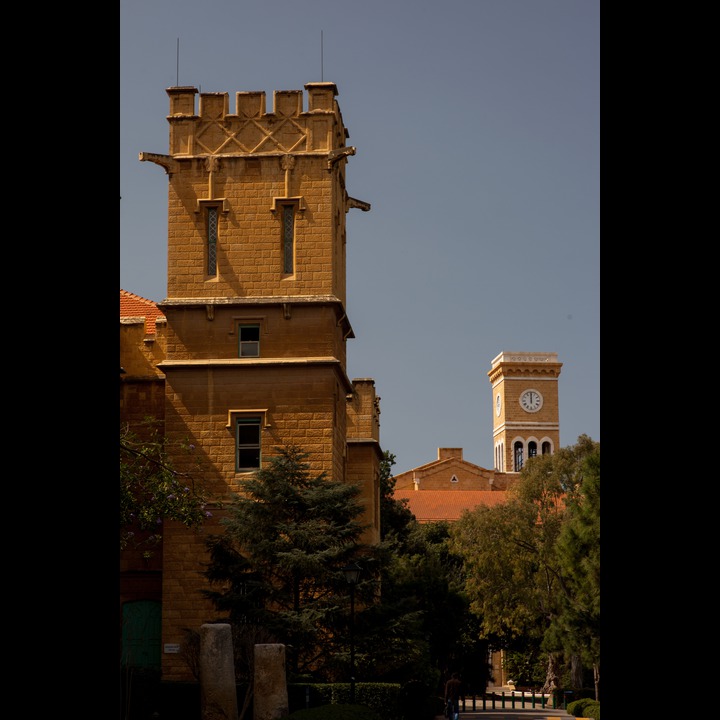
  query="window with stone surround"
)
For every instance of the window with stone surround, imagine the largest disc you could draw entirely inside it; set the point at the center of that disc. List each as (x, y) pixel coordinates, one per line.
(212, 237)
(210, 211)
(247, 443)
(249, 340)
(287, 212)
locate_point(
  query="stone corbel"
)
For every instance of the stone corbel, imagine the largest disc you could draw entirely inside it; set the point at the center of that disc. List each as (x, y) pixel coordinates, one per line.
(338, 154)
(353, 203)
(165, 161)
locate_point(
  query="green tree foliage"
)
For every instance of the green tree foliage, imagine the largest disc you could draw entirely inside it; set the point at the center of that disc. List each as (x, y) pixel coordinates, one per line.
(288, 535)
(391, 639)
(151, 491)
(516, 578)
(577, 626)
(395, 516)
(278, 567)
(422, 628)
(416, 619)
(436, 574)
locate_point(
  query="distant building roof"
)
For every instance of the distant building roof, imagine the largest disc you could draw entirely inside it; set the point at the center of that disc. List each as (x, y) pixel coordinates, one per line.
(435, 505)
(139, 309)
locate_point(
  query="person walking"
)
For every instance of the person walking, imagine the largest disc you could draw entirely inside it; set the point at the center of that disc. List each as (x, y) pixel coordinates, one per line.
(452, 696)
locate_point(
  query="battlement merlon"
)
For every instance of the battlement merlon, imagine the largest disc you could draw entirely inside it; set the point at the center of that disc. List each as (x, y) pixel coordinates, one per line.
(252, 130)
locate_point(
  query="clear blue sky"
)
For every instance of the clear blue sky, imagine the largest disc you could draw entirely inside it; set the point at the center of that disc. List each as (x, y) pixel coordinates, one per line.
(477, 128)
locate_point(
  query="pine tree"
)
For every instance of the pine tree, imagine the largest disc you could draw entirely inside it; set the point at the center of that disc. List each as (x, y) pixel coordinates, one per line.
(288, 535)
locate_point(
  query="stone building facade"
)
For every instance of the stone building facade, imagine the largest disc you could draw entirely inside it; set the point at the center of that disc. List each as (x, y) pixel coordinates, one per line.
(247, 352)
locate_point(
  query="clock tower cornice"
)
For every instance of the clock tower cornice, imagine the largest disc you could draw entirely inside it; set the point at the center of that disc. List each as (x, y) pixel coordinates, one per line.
(518, 365)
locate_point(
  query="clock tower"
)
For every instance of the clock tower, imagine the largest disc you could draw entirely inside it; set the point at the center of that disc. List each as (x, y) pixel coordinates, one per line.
(526, 419)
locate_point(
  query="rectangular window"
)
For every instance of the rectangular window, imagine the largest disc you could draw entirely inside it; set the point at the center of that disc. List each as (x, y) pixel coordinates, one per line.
(247, 434)
(212, 233)
(249, 339)
(288, 224)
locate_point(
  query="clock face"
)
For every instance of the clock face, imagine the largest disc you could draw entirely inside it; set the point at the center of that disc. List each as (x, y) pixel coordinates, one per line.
(531, 400)
(498, 405)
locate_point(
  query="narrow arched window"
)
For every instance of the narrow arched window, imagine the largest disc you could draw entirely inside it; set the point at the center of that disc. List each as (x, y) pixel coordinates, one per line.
(518, 456)
(532, 449)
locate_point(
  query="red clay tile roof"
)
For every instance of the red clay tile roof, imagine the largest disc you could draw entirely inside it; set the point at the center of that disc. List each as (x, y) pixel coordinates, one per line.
(434, 505)
(134, 306)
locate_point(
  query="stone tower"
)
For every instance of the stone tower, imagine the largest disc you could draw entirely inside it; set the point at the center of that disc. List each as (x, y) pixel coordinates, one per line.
(256, 320)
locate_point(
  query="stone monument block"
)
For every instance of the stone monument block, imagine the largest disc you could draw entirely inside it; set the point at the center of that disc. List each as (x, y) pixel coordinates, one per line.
(218, 693)
(270, 695)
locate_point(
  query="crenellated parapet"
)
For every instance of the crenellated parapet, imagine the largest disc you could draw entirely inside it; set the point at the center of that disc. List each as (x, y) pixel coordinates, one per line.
(213, 130)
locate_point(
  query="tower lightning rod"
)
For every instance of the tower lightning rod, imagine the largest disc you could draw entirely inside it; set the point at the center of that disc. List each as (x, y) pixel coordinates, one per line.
(322, 79)
(177, 64)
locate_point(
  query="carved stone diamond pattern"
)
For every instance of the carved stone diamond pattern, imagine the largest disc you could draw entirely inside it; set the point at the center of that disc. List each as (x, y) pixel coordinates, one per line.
(250, 136)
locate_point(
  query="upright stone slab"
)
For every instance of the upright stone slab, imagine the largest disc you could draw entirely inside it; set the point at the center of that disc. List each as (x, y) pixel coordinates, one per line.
(270, 696)
(218, 693)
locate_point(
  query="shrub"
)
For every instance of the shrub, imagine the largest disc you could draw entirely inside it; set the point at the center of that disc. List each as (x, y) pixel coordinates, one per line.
(576, 707)
(585, 707)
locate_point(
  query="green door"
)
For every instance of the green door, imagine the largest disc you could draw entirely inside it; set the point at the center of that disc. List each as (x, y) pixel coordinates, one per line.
(141, 634)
